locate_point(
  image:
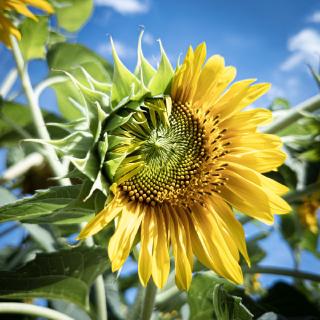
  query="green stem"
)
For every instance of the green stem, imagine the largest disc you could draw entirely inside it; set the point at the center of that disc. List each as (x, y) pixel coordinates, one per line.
(32, 310)
(36, 113)
(283, 272)
(148, 301)
(294, 114)
(52, 157)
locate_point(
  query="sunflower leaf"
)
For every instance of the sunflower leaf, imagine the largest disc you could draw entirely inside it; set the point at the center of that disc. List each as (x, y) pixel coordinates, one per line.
(210, 297)
(160, 82)
(64, 275)
(60, 205)
(34, 38)
(73, 14)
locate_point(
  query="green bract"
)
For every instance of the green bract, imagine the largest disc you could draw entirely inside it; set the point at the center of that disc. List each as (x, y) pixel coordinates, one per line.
(93, 140)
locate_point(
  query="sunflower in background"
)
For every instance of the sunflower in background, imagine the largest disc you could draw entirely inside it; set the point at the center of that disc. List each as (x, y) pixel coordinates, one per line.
(7, 28)
(308, 212)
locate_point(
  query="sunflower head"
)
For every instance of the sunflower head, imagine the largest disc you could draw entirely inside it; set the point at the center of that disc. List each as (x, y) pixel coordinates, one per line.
(7, 7)
(174, 152)
(308, 212)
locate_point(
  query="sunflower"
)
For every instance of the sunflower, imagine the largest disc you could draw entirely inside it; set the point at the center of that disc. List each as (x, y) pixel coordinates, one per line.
(307, 213)
(7, 28)
(174, 152)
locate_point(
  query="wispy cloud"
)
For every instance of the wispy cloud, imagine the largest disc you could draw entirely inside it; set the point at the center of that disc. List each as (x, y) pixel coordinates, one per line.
(148, 38)
(305, 47)
(125, 6)
(124, 51)
(314, 17)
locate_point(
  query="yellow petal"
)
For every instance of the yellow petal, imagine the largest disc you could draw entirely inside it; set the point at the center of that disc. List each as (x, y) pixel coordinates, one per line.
(160, 257)
(121, 242)
(259, 160)
(231, 224)
(179, 245)
(100, 221)
(41, 4)
(145, 256)
(247, 120)
(252, 199)
(213, 239)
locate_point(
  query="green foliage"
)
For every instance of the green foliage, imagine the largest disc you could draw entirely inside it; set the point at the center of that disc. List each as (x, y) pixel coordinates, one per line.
(61, 205)
(34, 38)
(64, 275)
(14, 117)
(73, 14)
(208, 298)
(70, 57)
(228, 307)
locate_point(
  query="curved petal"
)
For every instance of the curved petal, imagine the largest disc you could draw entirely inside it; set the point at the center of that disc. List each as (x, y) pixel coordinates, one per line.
(121, 242)
(145, 256)
(180, 251)
(160, 255)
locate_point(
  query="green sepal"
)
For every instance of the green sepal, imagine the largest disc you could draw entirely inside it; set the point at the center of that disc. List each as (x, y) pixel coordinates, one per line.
(124, 82)
(88, 166)
(144, 70)
(160, 82)
(115, 121)
(112, 165)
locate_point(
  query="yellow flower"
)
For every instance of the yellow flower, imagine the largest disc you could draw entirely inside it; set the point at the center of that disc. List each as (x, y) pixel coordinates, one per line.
(7, 28)
(191, 157)
(307, 212)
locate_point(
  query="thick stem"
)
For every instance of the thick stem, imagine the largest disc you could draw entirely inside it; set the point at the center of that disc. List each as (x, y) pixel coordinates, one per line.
(36, 113)
(52, 157)
(294, 114)
(283, 272)
(32, 310)
(148, 301)
(99, 288)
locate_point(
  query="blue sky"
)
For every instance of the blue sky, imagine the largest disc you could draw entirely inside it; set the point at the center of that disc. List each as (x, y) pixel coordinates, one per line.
(270, 40)
(267, 39)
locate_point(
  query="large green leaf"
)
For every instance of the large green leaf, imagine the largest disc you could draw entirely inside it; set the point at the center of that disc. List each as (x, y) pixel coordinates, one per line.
(200, 295)
(228, 307)
(12, 113)
(210, 297)
(61, 205)
(65, 275)
(73, 14)
(70, 57)
(34, 38)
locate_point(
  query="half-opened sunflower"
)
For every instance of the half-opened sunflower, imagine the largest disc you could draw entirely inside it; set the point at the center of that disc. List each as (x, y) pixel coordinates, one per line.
(174, 152)
(8, 7)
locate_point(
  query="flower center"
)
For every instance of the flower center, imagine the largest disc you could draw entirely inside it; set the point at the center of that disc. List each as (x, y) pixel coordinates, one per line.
(172, 156)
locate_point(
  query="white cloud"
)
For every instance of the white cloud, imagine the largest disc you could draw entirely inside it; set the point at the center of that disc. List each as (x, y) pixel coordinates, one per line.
(305, 47)
(148, 38)
(123, 50)
(125, 6)
(315, 17)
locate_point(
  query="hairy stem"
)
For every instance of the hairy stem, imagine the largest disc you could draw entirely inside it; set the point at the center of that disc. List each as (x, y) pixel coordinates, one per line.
(36, 113)
(148, 301)
(32, 310)
(283, 272)
(294, 114)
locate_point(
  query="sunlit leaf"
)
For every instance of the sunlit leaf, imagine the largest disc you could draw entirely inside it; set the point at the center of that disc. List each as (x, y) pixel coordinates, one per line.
(34, 38)
(73, 14)
(65, 275)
